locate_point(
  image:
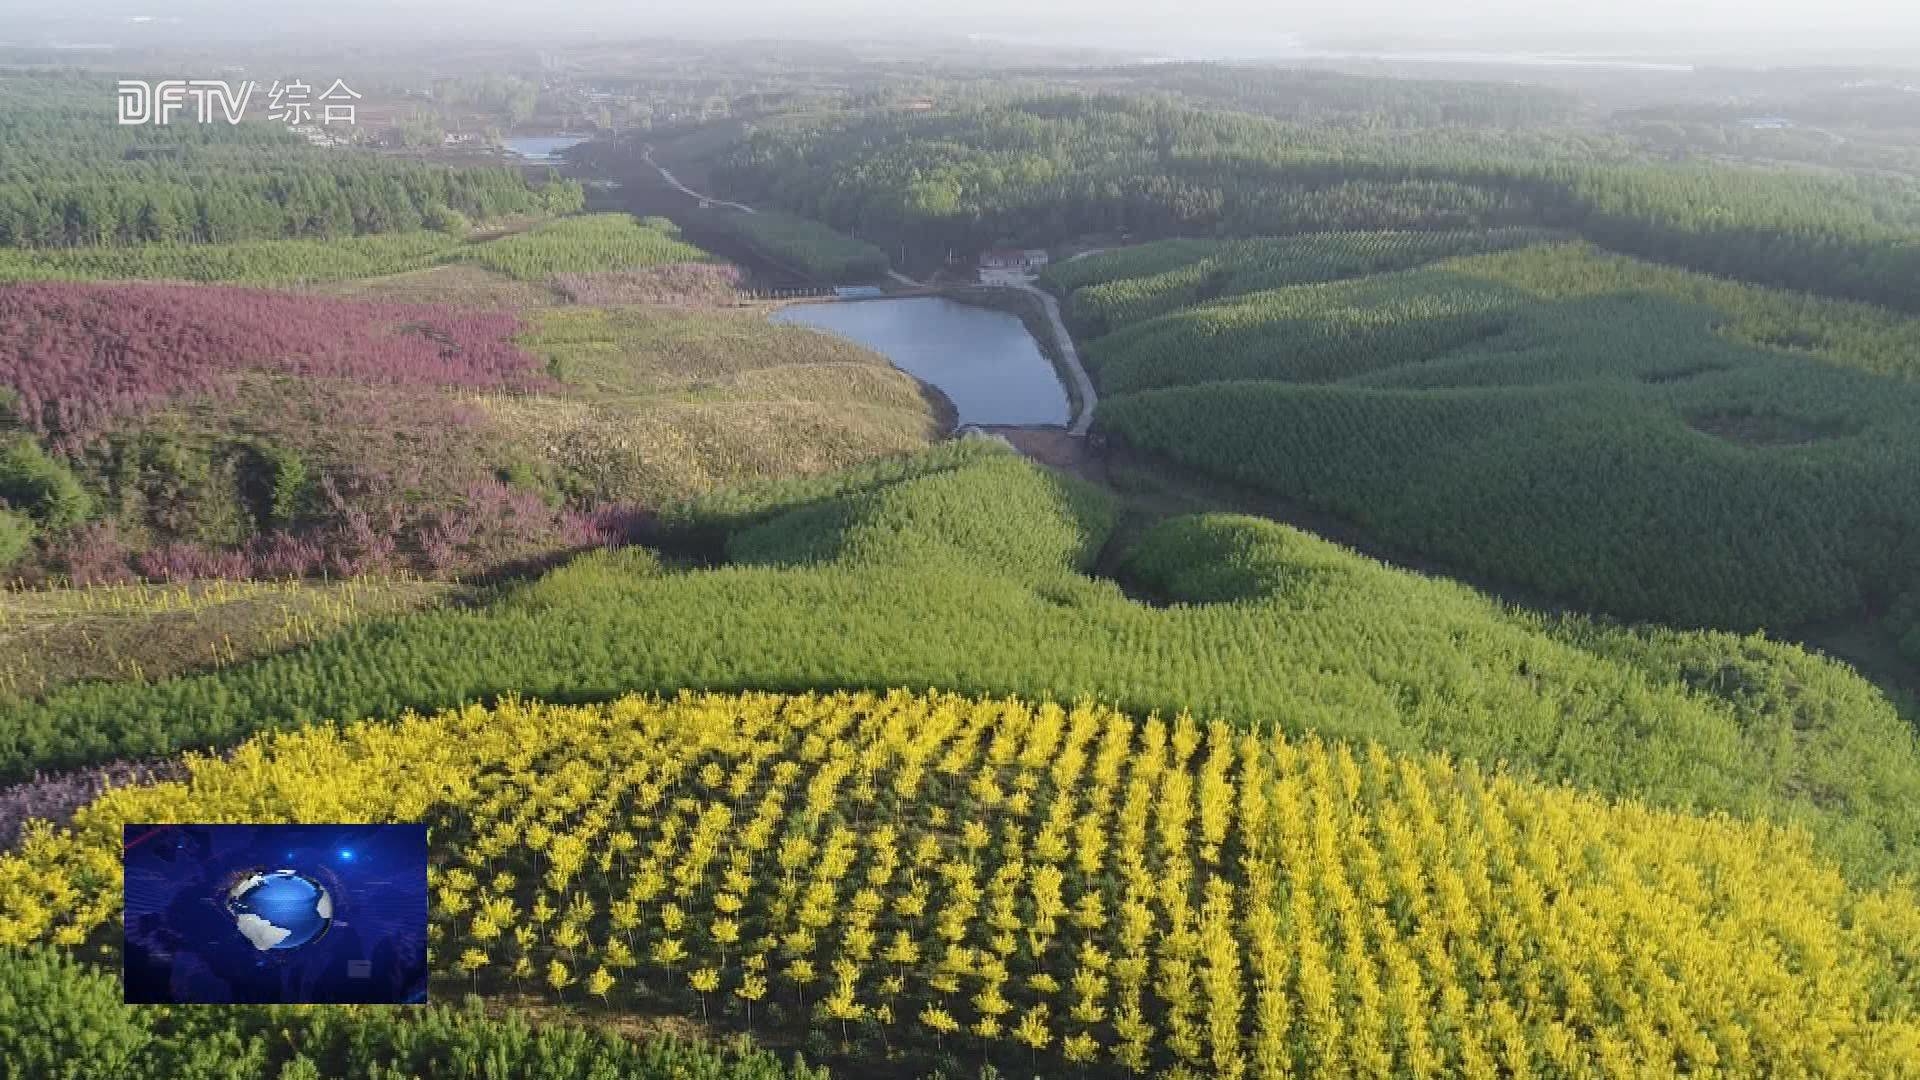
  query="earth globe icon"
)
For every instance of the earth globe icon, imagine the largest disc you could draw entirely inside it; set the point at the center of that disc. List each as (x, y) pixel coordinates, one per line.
(280, 910)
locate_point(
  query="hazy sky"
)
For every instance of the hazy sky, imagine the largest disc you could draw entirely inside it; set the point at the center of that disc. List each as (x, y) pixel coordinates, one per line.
(1594, 13)
(1648, 24)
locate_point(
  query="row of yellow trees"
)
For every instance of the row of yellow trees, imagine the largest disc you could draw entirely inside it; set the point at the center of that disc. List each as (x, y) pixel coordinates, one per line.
(1013, 878)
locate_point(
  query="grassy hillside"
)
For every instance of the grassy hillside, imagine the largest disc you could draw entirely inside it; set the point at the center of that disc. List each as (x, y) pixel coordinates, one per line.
(1136, 261)
(211, 431)
(252, 262)
(658, 404)
(802, 244)
(1113, 292)
(1627, 438)
(54, 637)
(579, 244)
(965, 568)
(1049, 887)
(595, 243)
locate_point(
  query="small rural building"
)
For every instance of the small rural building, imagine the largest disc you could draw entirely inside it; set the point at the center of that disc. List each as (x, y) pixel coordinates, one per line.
(858, 292)
(1013, 259)
(318, 136)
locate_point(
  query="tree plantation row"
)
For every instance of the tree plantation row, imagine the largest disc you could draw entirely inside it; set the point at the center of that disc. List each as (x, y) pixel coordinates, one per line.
(1046, 885)
(807, 246)
(834, 581)
(574, 244)
(1593, 429)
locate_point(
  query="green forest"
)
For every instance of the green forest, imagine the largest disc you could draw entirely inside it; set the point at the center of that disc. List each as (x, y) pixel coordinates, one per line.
(1046, 169)
(1479, 635)
(1593, 430)
(571, 244)
(830, 583)
(70, 177)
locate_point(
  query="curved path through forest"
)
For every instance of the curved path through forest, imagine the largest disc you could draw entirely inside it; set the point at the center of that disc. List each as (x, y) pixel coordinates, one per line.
(1082, 385)
(646, 155)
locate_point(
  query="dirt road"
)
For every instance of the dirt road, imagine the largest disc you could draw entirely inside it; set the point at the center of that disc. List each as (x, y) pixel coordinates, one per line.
(1082, 385)
(646, 155)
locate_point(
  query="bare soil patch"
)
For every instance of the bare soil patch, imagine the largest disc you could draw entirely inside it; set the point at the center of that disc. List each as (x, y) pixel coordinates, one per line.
(1055, 448)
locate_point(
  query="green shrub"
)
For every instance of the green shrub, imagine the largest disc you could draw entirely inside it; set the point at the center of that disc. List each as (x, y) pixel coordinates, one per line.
(62, 1021)
(441, 219)
(251, 261)
(32, 482)
(1112, 298)
(16, 536)
(1222, 558)
(186, 488)
(589, 580)
(280, 485)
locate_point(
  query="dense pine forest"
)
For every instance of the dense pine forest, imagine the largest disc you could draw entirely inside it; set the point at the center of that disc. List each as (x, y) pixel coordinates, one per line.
(71, 177)
(1046, 169)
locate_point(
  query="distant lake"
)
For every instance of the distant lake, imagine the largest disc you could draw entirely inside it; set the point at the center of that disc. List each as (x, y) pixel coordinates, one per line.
(984, 361)
(542, 147)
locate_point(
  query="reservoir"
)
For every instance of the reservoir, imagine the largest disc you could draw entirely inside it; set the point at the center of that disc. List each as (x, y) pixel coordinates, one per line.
(543, 148)
(984, 361)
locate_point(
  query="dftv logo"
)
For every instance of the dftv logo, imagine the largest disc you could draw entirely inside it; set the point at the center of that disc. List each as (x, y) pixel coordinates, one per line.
(143, 102)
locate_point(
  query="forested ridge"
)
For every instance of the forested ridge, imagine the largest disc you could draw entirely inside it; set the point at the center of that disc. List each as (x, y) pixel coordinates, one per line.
(1309, 96)
(1044, 169)
(834, 583)
(71, 177)
(1600, 430)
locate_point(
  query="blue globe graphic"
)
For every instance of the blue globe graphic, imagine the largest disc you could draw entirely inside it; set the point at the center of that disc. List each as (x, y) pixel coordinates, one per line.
(280, 910)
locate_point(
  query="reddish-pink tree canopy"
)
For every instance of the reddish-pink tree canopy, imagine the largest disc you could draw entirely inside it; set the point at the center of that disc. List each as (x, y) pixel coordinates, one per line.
(82, 355)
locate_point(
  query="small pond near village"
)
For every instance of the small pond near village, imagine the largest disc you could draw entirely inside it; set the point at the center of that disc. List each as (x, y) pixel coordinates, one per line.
(984, 361)
(541, 149)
